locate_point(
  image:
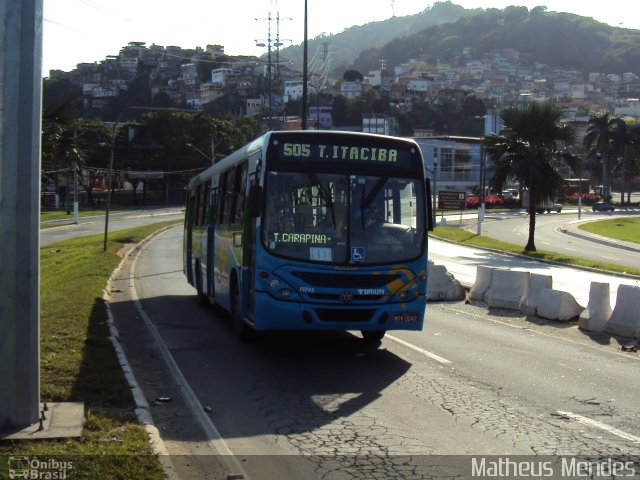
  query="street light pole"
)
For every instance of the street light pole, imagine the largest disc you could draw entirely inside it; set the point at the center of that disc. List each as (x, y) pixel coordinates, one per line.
(580, 195)
(109, 179)
(75, 192)
(211, 159)
(435, 188)
(481, 205)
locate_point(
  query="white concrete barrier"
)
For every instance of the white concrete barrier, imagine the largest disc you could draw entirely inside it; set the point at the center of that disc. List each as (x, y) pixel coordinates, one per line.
(441, 285)
(558, 305)
(625, 319)
(507, 290)
(537, 282)
(595, 317)
(482, 283)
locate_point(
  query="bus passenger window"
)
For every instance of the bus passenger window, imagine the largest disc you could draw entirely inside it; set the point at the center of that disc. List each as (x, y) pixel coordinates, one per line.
(240, 192)
(229, 197)
(222, 198)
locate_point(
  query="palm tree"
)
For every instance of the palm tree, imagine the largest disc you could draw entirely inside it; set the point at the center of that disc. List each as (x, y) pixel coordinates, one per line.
(600, 139)
(627, 144)
(531, 139)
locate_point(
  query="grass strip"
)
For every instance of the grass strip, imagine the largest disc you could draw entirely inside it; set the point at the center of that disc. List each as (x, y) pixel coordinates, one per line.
(49, 215)
(465, 237)
(78, 362)
(626, 229)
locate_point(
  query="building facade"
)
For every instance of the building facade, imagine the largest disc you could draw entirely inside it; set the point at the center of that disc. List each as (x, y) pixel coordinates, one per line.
(453, 162)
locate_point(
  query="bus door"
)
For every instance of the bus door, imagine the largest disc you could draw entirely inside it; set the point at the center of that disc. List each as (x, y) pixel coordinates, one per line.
(211, 229)
(249, 251)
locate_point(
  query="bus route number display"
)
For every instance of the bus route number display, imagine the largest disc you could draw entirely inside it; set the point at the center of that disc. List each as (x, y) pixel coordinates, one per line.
(344, 153)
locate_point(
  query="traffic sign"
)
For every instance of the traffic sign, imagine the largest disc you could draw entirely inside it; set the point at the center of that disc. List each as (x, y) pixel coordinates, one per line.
(451, 200)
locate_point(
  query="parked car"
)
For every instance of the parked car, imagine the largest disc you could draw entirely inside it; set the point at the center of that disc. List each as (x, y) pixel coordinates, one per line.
(549, 207)
(602, 207)
(542, 206)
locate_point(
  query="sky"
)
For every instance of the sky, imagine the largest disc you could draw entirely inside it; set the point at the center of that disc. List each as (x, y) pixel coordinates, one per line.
(77, 31)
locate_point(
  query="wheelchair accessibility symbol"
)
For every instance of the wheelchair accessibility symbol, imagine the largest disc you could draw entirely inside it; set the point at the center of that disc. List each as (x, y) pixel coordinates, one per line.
(357, 254)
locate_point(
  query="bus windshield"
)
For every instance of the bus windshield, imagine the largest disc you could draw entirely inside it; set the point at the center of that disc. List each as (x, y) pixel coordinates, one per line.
(342, 219)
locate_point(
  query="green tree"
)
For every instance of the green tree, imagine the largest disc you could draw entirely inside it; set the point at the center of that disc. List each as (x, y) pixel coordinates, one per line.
(532, 138)
(91, 142)
(352, 75)
(70, 146)
(600, 140)
(627, 145)
(85, 147)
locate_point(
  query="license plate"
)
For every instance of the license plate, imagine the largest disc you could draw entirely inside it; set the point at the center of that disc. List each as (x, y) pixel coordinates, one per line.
(405, 317)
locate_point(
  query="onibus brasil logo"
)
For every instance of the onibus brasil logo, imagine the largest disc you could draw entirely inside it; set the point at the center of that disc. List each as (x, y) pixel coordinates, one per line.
(39, 469)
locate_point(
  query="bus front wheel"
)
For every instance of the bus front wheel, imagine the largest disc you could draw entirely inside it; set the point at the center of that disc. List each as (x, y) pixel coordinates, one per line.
(202, 298)
(240, 328)
(372, 336)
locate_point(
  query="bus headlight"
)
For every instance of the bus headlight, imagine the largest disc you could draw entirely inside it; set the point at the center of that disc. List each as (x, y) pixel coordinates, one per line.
(277, 288)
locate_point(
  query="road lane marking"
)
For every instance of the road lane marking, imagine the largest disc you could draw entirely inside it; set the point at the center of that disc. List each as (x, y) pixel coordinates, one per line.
(601, 426)
(424, 352)
(543, 334)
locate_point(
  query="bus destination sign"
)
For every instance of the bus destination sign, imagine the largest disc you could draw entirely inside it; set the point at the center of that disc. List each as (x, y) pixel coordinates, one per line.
(345, 153)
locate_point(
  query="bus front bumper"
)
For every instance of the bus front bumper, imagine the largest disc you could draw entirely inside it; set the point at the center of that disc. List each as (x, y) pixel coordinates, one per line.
(273, 314)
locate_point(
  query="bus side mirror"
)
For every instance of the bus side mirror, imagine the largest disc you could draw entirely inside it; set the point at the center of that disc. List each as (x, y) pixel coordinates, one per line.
(255, 201)
(430, 220)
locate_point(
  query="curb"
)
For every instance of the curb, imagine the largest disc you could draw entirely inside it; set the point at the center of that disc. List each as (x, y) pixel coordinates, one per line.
(142, 410)
(592, 237)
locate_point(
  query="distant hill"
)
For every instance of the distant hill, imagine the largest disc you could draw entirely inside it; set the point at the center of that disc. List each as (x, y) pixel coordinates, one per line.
(557, 39)
(347, 45)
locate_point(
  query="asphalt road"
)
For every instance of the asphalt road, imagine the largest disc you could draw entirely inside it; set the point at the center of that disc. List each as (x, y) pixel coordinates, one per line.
(559, 233)
(287, 405)
(58, 231)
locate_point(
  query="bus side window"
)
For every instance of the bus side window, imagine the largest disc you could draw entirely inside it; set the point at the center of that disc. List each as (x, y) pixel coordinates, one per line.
(204, 202)
(222, 198)
(211, 210)
(198, 206)
(229, 198)
(240, 192)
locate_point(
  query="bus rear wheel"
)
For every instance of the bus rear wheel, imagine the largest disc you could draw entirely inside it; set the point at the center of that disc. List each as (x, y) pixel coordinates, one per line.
(240, 328)
(372, 336)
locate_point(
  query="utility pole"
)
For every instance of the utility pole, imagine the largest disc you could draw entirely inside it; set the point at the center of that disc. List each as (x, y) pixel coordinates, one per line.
(75, 178)
(305, 73)
(20, 127)
(260, 43)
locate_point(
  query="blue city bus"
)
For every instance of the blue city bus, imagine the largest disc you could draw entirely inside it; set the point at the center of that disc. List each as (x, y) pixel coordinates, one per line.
(312, 230)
